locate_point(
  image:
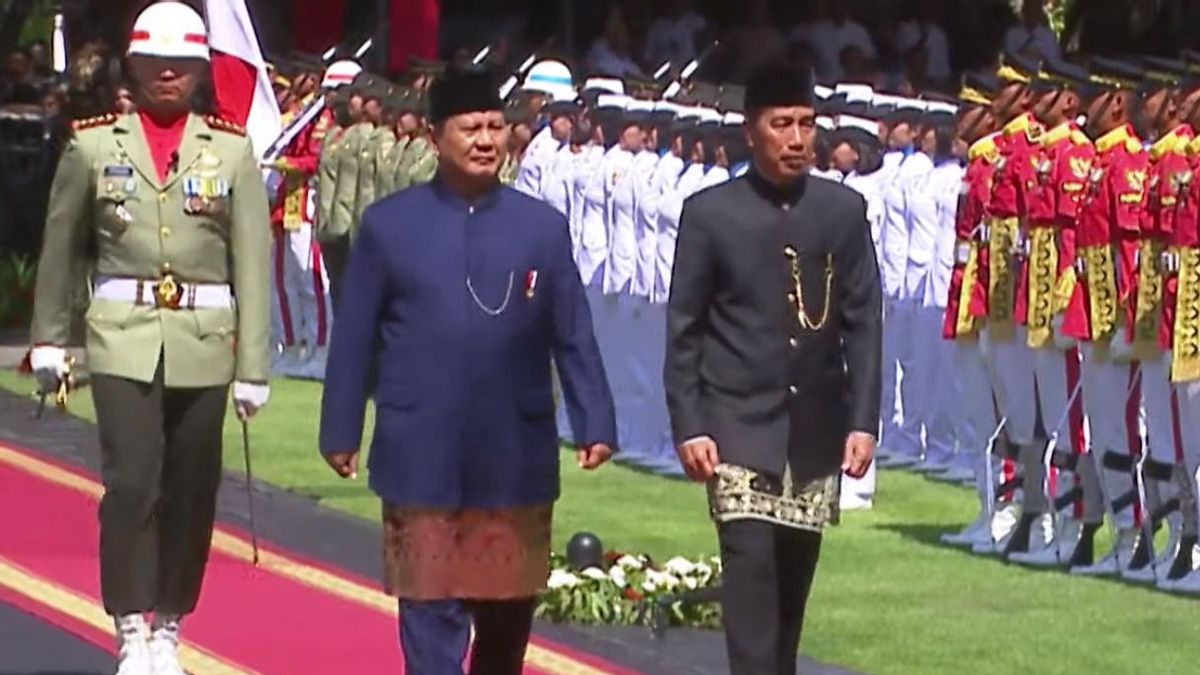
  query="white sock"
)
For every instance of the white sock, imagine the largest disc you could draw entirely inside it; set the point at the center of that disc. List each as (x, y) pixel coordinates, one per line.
(167, 626)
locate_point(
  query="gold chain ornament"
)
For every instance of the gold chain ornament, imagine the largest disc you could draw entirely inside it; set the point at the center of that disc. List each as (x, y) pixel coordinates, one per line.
(802, 316)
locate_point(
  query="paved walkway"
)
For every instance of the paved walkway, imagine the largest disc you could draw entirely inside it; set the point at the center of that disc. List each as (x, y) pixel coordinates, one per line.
(315, 580)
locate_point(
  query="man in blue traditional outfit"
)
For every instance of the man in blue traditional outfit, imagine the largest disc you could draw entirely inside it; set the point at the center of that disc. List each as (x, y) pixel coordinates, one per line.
(464, 290)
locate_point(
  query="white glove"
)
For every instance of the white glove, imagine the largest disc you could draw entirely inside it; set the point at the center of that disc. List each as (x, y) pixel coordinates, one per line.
(49, 366)
(248, 398)
(1061, 339)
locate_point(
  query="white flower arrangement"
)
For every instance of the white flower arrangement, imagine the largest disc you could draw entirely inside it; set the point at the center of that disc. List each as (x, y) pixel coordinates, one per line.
(619, 592)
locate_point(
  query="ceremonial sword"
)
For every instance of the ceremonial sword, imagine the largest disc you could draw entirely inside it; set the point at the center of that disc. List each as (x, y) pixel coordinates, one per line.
(250, 489)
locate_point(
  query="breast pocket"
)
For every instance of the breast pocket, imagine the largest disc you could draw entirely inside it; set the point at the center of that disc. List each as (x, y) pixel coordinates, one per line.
(117, 205)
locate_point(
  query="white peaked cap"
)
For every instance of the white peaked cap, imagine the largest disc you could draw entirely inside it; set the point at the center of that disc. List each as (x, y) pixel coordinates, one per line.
(822, 92)
(638, 105)
(340, 73)
(912, 104)
(855, 92)
(853, 122)
(610, 84)
(824, 122)
(886, 99)
(733, 119)
(940, 106)
(169, 30)
(617, 101)
(708, 115)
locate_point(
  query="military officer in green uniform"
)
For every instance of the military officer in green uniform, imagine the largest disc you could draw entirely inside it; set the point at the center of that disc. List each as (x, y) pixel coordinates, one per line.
(170, 211)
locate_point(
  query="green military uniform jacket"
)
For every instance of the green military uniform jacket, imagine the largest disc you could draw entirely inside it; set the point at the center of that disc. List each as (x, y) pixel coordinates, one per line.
(343, 219)
(327, 166)
(387, 169)
(109, 209)
(368, 157)
(416, 148)
(384, 144)
(424, 169)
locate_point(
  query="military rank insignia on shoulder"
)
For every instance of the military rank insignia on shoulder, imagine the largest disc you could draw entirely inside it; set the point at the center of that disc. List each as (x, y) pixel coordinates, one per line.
(222, 124)
(94, 122)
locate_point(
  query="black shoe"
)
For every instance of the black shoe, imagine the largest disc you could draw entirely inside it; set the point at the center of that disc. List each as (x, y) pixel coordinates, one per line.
(1019, 541)
(1084, 554)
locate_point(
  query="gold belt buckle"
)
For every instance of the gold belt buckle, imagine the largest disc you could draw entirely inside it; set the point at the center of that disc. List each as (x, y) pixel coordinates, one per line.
(167, 293)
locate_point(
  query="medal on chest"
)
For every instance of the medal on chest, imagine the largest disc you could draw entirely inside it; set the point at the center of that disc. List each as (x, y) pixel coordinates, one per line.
(205, 192)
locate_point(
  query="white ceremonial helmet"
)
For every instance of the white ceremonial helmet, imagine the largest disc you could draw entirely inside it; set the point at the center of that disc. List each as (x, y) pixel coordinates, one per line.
(340, 73)
(169, 30)
(552, 78)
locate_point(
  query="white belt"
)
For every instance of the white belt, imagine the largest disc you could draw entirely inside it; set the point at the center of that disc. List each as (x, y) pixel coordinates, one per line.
(142, 292)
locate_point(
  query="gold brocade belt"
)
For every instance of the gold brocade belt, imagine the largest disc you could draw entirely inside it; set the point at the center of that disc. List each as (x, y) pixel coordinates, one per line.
(293, 203)
(1001, 277)
(738, 493)
(1043, 272)
(965, 324)
(1148, 310)
(1101, 275)
(1185, 364)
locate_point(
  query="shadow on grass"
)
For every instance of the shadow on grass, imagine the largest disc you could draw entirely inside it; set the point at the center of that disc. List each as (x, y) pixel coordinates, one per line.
(322, 492)
(929, 534)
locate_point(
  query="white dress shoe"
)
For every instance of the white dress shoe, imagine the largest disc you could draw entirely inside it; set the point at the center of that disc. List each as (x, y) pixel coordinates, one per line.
(133, 648)
(1057, 551)
(164, 648)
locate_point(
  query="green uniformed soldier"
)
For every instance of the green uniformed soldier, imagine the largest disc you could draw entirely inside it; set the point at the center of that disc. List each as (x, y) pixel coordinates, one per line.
(418, 145)
(384, 176)
(368, 154)
(170, 209)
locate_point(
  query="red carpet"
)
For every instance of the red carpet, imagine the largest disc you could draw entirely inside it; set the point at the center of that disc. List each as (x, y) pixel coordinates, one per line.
(254, 619)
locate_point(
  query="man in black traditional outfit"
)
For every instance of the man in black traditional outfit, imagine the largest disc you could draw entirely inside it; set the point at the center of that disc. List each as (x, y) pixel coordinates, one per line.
(773, 364)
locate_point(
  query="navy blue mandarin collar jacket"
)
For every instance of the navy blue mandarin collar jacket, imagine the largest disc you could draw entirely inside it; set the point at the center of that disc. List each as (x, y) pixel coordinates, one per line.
(453, 310)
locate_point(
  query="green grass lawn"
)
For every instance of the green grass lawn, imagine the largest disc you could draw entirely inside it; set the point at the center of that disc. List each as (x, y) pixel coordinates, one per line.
(887, 598)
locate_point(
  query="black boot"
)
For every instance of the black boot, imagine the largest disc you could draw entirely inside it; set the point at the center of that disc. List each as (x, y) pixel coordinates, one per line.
(1084, 554)
(1019, 541)
(1182, 565)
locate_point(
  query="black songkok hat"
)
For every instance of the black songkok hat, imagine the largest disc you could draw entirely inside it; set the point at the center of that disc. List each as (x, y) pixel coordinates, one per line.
(779, 84)
(463, 90)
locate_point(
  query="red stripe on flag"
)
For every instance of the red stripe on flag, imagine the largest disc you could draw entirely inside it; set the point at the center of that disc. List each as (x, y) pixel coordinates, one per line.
(233, 87)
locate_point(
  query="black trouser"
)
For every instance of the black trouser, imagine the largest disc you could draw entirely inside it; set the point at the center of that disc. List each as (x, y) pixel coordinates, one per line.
(335, 253)
(768, 571)
(434, 635)
(161, 454)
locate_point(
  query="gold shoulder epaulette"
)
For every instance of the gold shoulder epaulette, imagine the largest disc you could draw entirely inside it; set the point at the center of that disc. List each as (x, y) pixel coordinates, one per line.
(1079, 138)
(984, 148)
(93, 122)
(225, 125)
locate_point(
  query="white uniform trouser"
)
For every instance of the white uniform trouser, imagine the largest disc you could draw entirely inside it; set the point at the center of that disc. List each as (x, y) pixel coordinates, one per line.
(1057, 373)
(1187, 395)
(927, 388)
(1166, 432)
(1011, 365)
(1113, 421)
(302, 309)
(897, 339)
(975, 406)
